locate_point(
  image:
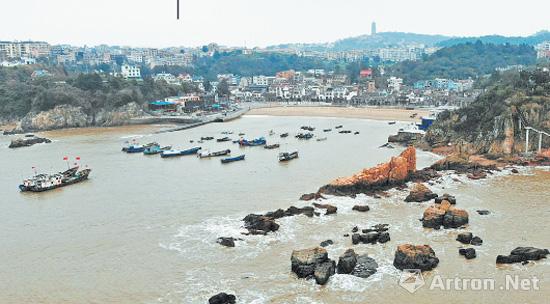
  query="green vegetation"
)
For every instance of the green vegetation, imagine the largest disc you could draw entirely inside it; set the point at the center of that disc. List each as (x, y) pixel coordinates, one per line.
(497, 39)
(20, 93)
(463, 61)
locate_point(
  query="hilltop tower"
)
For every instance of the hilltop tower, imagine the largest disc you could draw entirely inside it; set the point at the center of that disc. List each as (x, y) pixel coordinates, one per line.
(373, 28)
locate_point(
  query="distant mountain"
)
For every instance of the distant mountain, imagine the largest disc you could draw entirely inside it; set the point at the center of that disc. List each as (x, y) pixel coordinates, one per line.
(497, 39)
(379, 40)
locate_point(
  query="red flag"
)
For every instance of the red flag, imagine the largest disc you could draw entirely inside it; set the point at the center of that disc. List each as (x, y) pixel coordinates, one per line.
(78, 158)
(65, 158)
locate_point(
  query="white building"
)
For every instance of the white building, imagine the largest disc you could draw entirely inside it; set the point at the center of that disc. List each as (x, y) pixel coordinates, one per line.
(395, 83)
(130, 72)
(543, 50)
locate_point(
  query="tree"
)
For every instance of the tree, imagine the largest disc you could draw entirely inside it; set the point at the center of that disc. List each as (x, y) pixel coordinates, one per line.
(223, 88)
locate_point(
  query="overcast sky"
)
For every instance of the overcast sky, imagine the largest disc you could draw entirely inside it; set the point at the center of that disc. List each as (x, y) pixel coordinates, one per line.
(259, 22)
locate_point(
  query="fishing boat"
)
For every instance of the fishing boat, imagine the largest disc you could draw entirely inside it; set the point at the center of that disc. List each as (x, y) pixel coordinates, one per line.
(232, 159)
(287, 156)
(307, 128)
(136, 148)
(227, 132)
(345, 132)
(392, 122)
(223, 139)
(304, 136)
(155, 149)
(321, 139)
(356, 133)
(327, 130)
(208, 154)
(284, 135)
(338, 127)
(242, 134)
(252, 143)
(271, 147)
(207, 138)
(45, 182)
(174, 153)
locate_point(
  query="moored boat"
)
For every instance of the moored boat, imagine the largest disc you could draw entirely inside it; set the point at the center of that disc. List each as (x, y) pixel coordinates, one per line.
(339, 127)
(271, 147)
(252, 143)
(327, 130)
(345, 132)
(207, 138)
(224, 139)
(232, 159)
(155, 149)
(174, 153)
(308, 128)
(284, 135)
(45, 182)
(304, 136)
(286, 156)
(207, 154)
(321, 139)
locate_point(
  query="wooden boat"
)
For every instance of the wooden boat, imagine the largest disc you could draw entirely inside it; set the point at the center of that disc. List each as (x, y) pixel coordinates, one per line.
(232, 159)
(327, 130)
(175, 153)
(207, 154)
(45, 182)
(321, 139)
(223, 139)
(242, 134)
(271, 147)
(287, 156)
(155, 149)
(256, 142)
(304, 136)
(392, 122)
(356, 133)
(136, 148)
(307, 128)
(338, 127)
(207, 138)
(284, 135)
(345, 132)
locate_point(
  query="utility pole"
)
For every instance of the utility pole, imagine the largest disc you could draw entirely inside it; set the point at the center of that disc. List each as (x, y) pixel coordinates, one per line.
(178, 9)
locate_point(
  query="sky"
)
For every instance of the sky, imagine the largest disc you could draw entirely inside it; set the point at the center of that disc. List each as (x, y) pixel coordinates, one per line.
(250, 23)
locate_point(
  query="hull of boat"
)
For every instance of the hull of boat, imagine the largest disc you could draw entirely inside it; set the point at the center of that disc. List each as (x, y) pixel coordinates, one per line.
(232, 159)
(82, 177)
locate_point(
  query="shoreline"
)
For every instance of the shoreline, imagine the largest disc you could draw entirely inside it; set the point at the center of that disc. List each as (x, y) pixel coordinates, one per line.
(374, 113)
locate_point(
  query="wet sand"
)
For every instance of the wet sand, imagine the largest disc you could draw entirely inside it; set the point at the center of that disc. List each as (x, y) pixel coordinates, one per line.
(365, 113)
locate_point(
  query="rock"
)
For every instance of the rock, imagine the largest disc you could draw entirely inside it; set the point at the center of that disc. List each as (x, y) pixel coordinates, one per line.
(227, 241)
(477, 174)
(222, 298)
(370, 237)
(330, 208)
(307, 211)
(515, 171)
(465, 237)
(445, 197)
(483, 212)
(405, 138)
(27, 142)
(326, 243)
(259, 223)
(324, 271)
(476, 241)
(444, 215)
(420, 193)
(313, 262)
(347, 262)
(365, 267)
(384, 176)
(346, 235)
(361, 208)
(355, 229)
(468, 253)
(522, 254)
(355, 238)
(384, 237)
(409, 256)
(311, 196)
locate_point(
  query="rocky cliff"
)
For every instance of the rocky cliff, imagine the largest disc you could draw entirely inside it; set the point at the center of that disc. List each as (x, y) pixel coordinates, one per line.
(494, 123)
(398, 170)
(66, 116)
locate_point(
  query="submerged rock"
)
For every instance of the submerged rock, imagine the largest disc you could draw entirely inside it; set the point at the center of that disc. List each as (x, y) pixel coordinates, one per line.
(522, 254)
(468, 253)
(476, 241)
(222, 298)
(311, 196)
(259, 224)
(326, 243)
(409, 256)
(361, 208)
(420, 193)
(312, 262)
(227, 241)
(27, 142)
(465, 237)
(330, 208)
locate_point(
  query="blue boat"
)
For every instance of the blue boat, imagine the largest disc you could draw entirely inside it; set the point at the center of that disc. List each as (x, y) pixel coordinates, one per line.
(155, 149)
(232, 159)
(174, 153)
(256, 142)
(135, 149)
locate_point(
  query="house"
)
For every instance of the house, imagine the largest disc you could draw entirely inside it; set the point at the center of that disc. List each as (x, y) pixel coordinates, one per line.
(130, 72)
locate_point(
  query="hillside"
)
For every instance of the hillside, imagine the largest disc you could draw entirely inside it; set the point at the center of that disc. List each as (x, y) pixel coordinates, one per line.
(497, 39)
(491, 124)
(463, 61)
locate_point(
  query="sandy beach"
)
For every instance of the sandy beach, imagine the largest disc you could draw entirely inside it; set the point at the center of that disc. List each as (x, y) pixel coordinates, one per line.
(365, 113)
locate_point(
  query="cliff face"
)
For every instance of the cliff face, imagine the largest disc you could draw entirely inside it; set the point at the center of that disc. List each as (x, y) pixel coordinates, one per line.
(397, 170)
(65, 116)
(494, 123)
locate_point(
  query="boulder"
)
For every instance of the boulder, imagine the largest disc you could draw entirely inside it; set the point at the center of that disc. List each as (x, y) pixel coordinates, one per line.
(444, 215)
(384, 237)
(477, 174)
(446, 197)
(312, 262)
(256, 224)
(311, 196)
(222, 298)
(476, 241)
(409, 256)
(355, 229)
(365, 267)
(330, 208)
(468, 253)
(361, 208)
(522, 254)
(347, 262)
(369, 237)
(376, 234)
(420, 193)
(326, 243)
(465, 237)
(227, 241)
(27, 142)
(355, 238)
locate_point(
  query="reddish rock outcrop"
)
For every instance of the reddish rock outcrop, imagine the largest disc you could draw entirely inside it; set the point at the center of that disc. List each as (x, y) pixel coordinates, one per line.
(420, 193)
(444, 214)
(397, 171)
